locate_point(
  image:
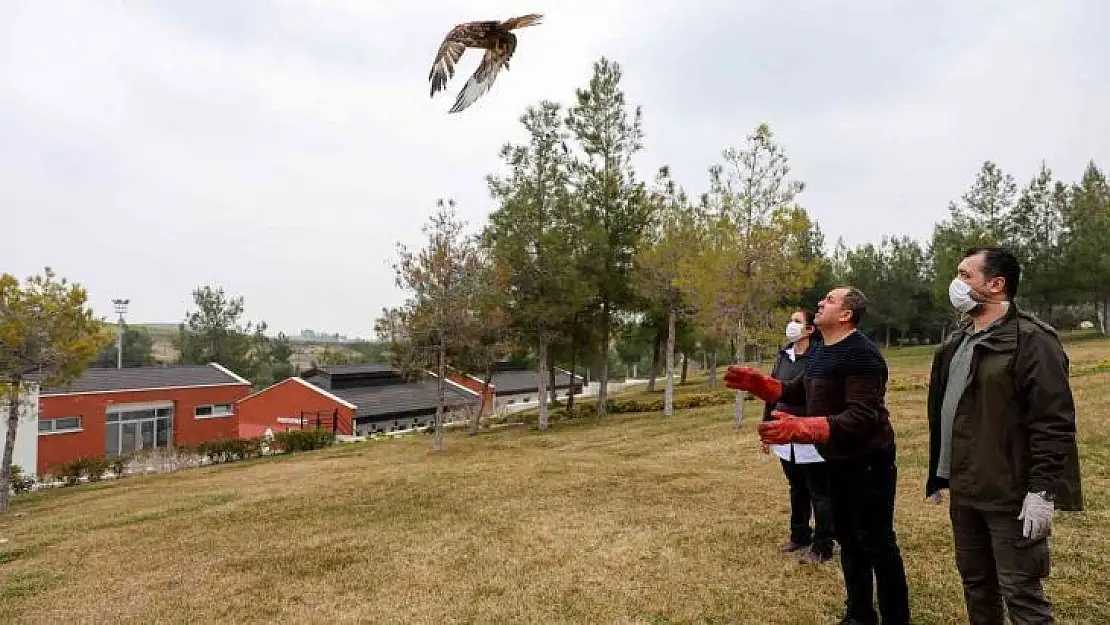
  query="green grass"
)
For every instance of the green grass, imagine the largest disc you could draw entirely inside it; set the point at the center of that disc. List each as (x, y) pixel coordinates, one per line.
(640, 519)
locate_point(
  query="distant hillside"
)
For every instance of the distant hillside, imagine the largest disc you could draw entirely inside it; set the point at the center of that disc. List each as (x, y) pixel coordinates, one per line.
(304, 351)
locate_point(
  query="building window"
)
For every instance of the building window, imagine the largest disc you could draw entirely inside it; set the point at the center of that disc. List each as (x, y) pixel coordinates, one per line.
(60, 425)
(129, 431)
(212, 411)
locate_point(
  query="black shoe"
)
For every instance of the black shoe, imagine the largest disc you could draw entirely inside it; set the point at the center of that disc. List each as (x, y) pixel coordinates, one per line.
(790, 546)
(815, 557)
(851, 620)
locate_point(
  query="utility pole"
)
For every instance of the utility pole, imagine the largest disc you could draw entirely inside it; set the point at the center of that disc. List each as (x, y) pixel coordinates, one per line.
(121, 309)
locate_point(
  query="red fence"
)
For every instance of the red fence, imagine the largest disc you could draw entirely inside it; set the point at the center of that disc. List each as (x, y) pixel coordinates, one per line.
(329, 420)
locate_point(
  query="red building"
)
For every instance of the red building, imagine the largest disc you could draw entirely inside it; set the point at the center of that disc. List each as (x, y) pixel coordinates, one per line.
(294, 404)
(123, 411)
(354, 399)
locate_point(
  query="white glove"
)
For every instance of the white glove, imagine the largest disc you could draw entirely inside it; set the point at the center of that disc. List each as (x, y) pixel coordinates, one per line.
(1037, 513)
(938, 496)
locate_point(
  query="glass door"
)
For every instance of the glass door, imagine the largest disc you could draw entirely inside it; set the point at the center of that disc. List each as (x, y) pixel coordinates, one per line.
(147, 433)
(129, 439)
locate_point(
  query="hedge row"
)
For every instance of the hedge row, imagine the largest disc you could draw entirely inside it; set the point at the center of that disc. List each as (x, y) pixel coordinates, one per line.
(289, 441)
(921, 382)
(628, 405)
(93, 468)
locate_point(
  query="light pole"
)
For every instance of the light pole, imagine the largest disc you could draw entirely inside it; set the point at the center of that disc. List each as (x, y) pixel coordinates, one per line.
(121, 309)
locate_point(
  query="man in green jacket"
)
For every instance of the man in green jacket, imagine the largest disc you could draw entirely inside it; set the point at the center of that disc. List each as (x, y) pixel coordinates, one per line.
(1001, 441)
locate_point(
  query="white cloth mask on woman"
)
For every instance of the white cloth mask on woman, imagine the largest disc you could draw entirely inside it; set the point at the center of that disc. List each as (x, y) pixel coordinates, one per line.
(794, 331)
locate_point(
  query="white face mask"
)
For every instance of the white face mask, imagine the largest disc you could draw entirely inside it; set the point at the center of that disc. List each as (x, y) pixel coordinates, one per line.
(959, 294)
(794, 331)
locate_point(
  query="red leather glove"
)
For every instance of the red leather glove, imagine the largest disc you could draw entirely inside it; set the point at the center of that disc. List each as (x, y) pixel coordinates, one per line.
(786, 428)
(747, 379)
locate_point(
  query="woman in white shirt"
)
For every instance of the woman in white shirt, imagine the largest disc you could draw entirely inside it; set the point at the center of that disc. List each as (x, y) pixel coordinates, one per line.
(804, 468)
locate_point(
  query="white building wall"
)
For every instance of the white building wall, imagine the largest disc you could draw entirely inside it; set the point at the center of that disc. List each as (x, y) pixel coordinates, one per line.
(26, 453)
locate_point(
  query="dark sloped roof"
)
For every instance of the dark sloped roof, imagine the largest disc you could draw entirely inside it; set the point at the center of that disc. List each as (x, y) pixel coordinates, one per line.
(384, 400)
(511, 382)
(352, 376)
(96, 380)
(355, 369)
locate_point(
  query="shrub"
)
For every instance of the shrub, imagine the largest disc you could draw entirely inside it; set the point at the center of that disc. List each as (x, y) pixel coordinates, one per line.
(230, 449)
(21, 483)
(96, 467)
(89, 467)
(70, 473)
(118, 464)
(303, 440)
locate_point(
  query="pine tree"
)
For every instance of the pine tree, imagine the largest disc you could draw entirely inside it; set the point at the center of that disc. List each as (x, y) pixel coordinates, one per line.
(608, 133)
(532, 234)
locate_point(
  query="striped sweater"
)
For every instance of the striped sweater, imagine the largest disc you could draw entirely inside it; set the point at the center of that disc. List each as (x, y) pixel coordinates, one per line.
(845, 382)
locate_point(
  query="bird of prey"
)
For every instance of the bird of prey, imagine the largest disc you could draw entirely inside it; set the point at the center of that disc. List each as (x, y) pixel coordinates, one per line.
(496, 38)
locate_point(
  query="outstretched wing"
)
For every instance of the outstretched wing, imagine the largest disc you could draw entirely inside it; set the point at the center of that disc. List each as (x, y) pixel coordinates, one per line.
(458, 39)
(443, 67)
(483, 77)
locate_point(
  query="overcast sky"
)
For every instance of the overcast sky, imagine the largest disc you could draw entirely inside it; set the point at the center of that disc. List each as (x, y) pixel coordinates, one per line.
(281, 148)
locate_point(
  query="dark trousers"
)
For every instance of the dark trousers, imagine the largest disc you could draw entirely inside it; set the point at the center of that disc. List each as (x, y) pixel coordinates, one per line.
(809, 497)
(863, 492)
(999, 566)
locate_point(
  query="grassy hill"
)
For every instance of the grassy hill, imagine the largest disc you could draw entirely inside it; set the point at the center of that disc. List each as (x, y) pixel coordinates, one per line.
(637, 520)
(304, 351)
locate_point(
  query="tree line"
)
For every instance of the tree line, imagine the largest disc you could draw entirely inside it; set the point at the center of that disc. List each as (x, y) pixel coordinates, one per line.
(214, 331)
(585, 263)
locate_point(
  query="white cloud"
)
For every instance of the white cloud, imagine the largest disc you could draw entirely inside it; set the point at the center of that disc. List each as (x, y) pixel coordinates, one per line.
(281, 149)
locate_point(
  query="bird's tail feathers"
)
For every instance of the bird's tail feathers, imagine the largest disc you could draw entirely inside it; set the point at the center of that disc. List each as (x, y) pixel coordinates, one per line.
(522, 21)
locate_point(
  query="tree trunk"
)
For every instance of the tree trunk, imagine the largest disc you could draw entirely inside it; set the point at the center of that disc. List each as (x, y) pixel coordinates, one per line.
(1102, 312)
(603, 381)
(15, 390)
(477, 423)
(551, 376)
(659, 334)
(738, 407)
(437, 440)
(887, 336)
(668, 393)
(543, 384)
(713, 370)
(573, 377)
(685, 367)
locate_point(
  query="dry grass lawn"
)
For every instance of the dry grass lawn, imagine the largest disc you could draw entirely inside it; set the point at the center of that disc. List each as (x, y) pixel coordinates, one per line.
(637, 520)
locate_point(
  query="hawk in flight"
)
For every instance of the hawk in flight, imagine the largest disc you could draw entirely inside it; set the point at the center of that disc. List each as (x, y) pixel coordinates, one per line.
(496, 38)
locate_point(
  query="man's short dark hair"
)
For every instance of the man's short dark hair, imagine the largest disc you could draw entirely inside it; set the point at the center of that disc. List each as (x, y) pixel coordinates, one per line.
(856, 302)
(999, 262)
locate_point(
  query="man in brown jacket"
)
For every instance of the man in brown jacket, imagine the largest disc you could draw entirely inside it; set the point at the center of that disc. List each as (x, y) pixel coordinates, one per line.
(1001, 441)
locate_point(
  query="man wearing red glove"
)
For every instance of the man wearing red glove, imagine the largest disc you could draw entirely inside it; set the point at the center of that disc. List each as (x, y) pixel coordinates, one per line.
(843, 391)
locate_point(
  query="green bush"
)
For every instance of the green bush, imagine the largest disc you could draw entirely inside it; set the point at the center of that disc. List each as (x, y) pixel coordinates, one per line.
(117, 464)
(291, 441)
(21, 483)
(230, 449)
(629, 405)
(96, 467)
(89, 467)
